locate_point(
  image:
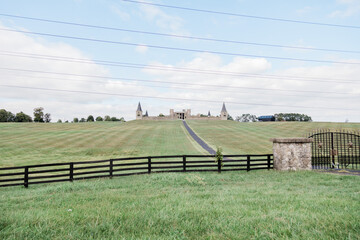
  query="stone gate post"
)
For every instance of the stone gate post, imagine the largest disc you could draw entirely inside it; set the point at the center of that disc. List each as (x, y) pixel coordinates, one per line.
(292, 153)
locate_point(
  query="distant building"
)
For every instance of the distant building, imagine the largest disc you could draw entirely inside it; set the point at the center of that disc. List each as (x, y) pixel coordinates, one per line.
(139, 112)
(269, 118)
(184, 114)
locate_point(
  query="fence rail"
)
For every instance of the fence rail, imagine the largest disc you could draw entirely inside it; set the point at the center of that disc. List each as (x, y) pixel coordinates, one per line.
(64, 172)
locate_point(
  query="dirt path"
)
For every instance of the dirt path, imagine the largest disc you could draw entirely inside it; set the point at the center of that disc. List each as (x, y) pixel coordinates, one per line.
(342, 172)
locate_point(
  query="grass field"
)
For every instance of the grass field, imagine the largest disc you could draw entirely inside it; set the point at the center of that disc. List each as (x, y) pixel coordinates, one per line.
(22, 144)
(233, 205)
(32, 143)
(254, 138)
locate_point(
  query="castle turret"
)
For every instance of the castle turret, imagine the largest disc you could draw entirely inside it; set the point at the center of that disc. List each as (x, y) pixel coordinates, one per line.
(224, 114)
(139, 112)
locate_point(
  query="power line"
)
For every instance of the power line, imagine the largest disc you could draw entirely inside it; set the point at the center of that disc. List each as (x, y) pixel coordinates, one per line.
(182, 49)
(179, 36)
(174, 69)
(175, 83)
(245, 15)
(170, 98)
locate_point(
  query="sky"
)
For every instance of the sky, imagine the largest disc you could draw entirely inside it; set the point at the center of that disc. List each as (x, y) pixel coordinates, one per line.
(77, 58)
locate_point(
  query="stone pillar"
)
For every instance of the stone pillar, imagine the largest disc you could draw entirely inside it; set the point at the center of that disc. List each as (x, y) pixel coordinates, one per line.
(292, 153)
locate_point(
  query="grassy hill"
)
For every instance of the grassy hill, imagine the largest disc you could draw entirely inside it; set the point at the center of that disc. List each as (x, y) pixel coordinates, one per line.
(33, 143)
(254, 138)
(232, 205)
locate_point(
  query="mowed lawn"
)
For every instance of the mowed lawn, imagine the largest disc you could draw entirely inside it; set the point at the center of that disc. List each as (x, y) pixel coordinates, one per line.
(254, 138)
(36, 143)
(232, 205)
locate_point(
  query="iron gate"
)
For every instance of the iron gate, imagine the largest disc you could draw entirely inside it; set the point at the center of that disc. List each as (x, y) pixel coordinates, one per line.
(335, 149)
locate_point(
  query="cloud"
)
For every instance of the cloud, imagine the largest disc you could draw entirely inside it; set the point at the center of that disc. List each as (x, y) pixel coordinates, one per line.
(352, 8)
(22, 99)
(304, 10)
(120, 13)
(242, 86)
(141, 49)
(172, 24)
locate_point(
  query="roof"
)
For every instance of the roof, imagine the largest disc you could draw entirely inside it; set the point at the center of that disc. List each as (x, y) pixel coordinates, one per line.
(139, 107)
(266, 117)
(146, 114)
(223, 108)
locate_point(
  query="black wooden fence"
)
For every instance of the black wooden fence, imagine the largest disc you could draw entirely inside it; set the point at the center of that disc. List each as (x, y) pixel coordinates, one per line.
(49, 173)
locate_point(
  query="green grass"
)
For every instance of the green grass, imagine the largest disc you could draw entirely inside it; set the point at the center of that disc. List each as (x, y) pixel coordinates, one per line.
(232, 205)
(254, 138)
(22, 143)
(36, 143)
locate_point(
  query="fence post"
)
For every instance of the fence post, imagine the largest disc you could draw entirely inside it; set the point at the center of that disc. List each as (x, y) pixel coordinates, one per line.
(71, 172)
(184, 163)
(219, 166)
(248, 163)
(111, 168)
(26, 177)
(149, 165)
(268, 161)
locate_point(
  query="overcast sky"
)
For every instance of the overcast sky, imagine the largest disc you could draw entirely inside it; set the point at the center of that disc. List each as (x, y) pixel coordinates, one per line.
(108, 71)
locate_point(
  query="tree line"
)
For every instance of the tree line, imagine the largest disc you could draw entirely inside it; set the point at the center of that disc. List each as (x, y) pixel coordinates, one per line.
(287, 117)
(40, 116)
(90, 118)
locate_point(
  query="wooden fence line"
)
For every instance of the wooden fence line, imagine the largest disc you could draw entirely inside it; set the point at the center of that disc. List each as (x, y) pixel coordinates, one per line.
(116, 167)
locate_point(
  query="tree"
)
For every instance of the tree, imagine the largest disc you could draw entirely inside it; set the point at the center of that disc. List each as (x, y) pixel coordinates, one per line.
(59, 121)
(47, 118)
(122, 119)
(22, 117)
(99, 119)
(82, 120)
(76, 120)
(107, 118)
(6, 116)
(38, 114)
(230, 118)
(90, 118)
(114, 119)
(246, 118)
(292, 117)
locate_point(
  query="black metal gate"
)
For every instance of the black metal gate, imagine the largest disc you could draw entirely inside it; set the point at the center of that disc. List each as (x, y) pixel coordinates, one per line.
(335, 149)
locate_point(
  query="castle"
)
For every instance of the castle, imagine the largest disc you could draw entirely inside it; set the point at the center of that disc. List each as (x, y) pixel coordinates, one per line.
(184, 114)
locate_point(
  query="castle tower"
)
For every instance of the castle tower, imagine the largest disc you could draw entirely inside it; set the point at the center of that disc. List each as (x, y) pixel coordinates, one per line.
(188, 113)
(209, 114)
(172, 115)
(139, 112)
(224, 114)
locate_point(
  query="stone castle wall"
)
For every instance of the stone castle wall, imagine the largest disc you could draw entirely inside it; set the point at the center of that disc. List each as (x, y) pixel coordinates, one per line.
(188, 118)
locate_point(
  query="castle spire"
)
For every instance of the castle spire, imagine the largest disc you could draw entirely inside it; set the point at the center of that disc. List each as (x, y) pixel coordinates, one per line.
(223, 108)
(139, 107)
